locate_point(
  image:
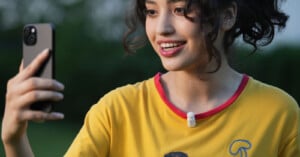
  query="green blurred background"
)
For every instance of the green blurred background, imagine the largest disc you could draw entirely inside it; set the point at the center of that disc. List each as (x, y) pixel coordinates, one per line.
(90, 61)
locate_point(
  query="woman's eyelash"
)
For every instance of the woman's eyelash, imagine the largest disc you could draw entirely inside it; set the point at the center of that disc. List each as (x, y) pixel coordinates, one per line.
(179, 10)
(149, 11)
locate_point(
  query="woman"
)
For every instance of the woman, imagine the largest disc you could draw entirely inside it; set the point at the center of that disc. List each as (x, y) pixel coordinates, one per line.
(200, 107)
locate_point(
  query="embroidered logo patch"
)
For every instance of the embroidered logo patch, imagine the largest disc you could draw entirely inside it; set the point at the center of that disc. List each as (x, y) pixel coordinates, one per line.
(240, 148)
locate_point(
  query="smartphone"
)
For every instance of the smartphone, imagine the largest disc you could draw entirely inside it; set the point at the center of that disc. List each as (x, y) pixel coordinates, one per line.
(36, 38)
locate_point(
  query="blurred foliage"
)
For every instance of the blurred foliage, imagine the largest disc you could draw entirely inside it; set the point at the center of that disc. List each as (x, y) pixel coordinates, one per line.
(48, 142)
(278, 66)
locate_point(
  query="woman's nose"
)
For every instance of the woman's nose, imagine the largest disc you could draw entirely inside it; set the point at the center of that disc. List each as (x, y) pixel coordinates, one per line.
(165, 24)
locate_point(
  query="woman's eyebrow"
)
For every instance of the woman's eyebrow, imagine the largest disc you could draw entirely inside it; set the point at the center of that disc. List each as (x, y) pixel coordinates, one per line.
(150, 2)
(168, 1)
(174, 1)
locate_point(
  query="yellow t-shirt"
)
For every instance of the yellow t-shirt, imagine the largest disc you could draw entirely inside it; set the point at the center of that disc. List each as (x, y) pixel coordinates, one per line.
(138, 120)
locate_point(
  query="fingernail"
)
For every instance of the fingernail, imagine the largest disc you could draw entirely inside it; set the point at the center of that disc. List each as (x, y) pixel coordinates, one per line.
(58, 115)
(60, 85)
(60, 96)
(45, 51)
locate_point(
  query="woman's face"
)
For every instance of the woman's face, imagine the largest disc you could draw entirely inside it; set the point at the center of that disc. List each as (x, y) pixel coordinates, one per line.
(177, 40)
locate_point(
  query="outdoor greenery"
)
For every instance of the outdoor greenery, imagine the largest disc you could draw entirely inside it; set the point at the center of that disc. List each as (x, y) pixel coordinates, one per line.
(90, 61)
(50, 139)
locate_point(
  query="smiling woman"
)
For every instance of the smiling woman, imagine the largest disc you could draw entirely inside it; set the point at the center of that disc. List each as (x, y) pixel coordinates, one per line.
(200, 107)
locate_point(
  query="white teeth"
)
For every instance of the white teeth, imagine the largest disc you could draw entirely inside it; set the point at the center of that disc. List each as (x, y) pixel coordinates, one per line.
(169, 45)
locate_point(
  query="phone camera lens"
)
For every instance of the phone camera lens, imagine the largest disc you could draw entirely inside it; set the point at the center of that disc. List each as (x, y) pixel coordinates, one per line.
(30, 35)
(26, 31)
(31, 40)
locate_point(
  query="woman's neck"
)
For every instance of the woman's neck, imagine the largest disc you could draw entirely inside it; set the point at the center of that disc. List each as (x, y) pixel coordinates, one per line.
(200, 92)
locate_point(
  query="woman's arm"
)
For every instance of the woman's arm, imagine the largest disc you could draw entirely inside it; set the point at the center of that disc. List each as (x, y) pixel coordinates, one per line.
(21, 147)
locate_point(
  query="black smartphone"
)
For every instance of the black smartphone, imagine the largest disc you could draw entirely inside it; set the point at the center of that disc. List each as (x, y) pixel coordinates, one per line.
(36, 38)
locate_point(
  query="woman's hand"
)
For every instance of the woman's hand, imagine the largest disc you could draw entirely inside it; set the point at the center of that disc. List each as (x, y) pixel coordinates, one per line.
(23, 90)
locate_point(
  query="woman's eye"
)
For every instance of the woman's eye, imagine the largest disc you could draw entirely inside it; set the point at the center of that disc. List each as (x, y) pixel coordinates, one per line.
(179, 11)
(150, 12)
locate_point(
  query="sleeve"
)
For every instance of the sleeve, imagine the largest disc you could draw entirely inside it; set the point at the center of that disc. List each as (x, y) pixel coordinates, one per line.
(94, 138)
(292, 147)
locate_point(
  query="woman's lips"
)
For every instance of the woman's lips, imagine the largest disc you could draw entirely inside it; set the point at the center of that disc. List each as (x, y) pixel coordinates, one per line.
(169, 49)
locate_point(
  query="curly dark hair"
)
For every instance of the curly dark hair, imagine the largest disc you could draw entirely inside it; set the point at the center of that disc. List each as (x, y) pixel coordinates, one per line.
(256, 22)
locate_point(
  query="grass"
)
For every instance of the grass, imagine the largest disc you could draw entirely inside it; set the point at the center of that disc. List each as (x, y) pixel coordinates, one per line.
(50, 139)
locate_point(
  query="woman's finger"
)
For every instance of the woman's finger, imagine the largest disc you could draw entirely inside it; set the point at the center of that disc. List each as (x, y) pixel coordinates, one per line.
(34, 83)
(34, 66)
(39, 116)
(21, 67)
(37, 83)
(38, 96)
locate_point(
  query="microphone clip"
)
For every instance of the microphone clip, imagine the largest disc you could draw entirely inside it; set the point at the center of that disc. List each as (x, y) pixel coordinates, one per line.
(191, 119)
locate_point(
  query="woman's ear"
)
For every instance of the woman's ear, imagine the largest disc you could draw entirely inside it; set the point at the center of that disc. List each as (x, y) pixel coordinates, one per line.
(228, 17)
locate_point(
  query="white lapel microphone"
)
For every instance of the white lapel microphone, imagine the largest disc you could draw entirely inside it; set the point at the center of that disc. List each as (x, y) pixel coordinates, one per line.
(191, 119)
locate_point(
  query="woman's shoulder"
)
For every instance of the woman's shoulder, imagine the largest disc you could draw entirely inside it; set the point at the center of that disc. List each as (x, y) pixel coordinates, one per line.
(127, 94)
(271, 95)
(130, 90)
(123, 101)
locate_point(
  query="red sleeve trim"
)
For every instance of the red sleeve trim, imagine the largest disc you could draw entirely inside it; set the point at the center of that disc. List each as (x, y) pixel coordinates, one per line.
(212, 112)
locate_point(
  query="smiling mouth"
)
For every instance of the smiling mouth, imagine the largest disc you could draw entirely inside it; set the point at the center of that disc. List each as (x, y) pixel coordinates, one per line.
(170, 45)
(170, 48)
